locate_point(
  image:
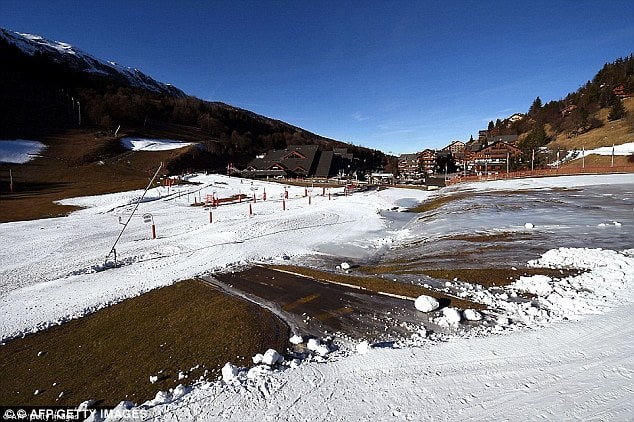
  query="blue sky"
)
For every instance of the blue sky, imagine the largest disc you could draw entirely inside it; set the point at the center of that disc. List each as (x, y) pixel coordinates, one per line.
(398, 76)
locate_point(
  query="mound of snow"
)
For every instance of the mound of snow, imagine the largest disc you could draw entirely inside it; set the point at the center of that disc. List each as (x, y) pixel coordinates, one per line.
(426, 303)
(345, 266)
(296, 339)
(471, 315)
(363, 347)
(450, 318)
(272, 357)
(538, 285)
(229, 372)
(313, 344)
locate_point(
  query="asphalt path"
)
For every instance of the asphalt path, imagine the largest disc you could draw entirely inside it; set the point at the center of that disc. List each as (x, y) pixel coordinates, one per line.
(318, 308)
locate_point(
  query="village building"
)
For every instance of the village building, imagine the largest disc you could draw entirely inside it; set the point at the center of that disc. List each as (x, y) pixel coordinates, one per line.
(427, 160)
(409, 167)
(299, 161)
(495, 157)
(457, 150)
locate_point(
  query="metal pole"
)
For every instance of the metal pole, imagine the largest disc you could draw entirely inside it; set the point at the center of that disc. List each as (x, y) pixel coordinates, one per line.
(112, 250)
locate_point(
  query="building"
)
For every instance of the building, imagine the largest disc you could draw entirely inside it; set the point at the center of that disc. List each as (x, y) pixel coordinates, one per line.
(299, 161)
(409, 166)
(509, 139)
(427, 160)
(495, 157)
(456, 147)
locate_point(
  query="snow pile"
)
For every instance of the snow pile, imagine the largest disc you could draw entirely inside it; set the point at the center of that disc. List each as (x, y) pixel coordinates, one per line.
(19, 151)
(450, 317)
(145, 144)
(363, 347)
(426, 303)
(538, 284)
(230, 372)
(272, 357)
(296, 339)
(471, 315)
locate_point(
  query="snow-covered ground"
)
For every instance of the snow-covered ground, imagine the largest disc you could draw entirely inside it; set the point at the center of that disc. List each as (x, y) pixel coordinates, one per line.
(150, 144)
(19, 151)
(578, 365)
(623, 149)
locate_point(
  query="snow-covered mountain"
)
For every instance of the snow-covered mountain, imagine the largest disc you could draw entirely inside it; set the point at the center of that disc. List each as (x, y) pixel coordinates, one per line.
(66, 54)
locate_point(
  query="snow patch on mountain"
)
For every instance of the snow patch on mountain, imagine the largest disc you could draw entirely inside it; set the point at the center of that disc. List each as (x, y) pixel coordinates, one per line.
(64, 53)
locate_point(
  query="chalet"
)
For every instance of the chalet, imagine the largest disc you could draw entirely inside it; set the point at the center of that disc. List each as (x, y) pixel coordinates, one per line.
(567, 110)
(299, 161)
(427, 160)
(472, 147)
(515, 117)
(509, 139)
(409, 166)
(620, 91)
(494, 158)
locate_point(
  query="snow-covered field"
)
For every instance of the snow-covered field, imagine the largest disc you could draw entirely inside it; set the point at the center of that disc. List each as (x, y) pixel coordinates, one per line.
(578, 365)
(19, 151)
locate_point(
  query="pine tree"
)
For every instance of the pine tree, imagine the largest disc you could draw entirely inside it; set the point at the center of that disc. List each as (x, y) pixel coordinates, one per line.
(535, 107)
(617, 110)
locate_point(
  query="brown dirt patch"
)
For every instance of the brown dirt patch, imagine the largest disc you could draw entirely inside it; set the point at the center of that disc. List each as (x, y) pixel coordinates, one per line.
(75, 163)
(110, 355)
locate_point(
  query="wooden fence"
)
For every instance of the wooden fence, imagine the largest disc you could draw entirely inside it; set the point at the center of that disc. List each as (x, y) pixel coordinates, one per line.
(564, 171)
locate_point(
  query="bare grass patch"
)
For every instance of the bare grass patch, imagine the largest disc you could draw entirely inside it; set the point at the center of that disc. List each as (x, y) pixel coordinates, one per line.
(110, 355)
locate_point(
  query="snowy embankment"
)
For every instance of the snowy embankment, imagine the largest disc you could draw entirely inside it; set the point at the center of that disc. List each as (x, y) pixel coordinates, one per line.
(19, 151)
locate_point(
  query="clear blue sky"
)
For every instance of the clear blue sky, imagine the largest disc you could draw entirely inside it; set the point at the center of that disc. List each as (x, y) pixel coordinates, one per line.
(399, 76)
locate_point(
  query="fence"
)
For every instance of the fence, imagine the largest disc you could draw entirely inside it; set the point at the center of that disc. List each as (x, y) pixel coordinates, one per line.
(566, 171)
